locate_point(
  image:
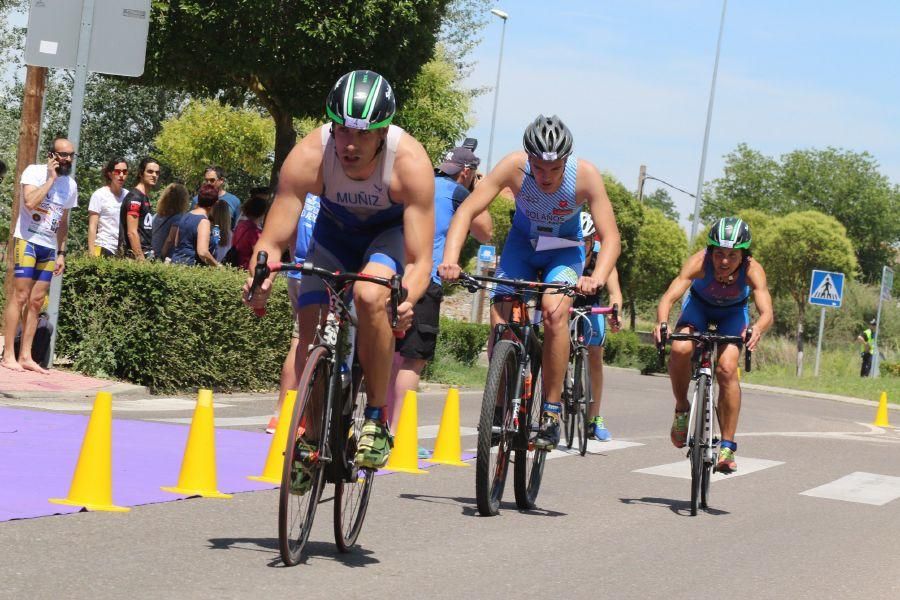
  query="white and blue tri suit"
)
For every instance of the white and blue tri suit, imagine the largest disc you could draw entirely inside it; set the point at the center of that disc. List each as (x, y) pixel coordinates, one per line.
(305, 227)
(538, 215)
(722, 303)
(358, 222)
(596, 336)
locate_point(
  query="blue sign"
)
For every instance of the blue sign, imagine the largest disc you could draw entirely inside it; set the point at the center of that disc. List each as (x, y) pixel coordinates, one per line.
(487, 254)
(826, 289)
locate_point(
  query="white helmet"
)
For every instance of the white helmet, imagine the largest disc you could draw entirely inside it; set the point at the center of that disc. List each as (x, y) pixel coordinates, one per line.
(587, 225)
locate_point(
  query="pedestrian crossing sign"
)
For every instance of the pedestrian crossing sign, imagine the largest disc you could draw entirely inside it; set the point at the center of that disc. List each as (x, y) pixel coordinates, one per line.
(826, 289)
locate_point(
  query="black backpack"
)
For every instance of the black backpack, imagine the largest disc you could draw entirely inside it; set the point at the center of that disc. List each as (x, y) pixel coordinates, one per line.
(40, 347)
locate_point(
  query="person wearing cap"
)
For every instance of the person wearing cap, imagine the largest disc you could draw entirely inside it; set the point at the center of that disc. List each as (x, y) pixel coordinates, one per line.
(867, 348)
(375, 183)
(452, 181)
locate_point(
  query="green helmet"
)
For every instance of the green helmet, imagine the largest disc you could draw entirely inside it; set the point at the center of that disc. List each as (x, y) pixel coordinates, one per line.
(361, 100)
(730, 232)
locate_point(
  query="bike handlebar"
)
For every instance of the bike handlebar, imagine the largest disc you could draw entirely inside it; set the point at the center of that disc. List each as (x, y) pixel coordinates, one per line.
(665, 336)
(599, 310)
(263, 269)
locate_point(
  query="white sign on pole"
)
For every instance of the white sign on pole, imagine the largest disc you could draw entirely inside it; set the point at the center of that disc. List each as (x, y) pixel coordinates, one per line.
(118, 44)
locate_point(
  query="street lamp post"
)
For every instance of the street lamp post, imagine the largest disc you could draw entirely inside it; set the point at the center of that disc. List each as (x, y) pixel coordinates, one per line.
(503, 16)
(695, 226)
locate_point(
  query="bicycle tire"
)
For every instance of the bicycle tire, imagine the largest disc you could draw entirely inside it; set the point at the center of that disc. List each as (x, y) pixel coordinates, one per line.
(696, 449)
(706, 475)
(529, 462)
(351, 497)
(297, 512)
(491, 466)
(583, 399)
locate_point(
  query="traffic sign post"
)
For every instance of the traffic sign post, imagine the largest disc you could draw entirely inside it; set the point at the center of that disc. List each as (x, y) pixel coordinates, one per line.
(887, 287)
(826, 289)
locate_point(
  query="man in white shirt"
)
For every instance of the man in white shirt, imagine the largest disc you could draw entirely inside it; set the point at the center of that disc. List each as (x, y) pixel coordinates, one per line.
(47, 195)
(104, 209)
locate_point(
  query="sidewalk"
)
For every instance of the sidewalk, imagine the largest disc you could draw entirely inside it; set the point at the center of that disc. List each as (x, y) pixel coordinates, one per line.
(61, 384)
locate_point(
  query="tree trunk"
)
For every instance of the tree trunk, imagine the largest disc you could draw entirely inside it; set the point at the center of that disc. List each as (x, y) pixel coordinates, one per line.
(631, 308)
(285, 138)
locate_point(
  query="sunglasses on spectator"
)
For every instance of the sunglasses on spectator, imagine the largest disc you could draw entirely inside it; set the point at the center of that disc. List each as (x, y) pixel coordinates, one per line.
(63, 154)
(120, 171)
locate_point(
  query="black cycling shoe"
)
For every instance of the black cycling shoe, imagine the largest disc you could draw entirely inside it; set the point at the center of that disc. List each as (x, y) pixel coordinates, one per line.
(548, 437)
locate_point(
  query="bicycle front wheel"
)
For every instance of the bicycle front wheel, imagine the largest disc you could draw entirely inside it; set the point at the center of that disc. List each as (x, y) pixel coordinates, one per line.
(529, 469)
(302, 476)
(696, 442)
(495, 428)
(568, 405)
(351, 496)
(583, 398)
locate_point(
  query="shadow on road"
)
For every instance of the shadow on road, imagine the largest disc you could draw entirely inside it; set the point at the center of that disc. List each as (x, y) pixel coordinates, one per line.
(469, 505)
(358, 557)
(679, 507)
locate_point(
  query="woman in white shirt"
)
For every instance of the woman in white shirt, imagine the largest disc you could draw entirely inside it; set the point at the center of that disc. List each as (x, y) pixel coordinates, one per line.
(104, 208)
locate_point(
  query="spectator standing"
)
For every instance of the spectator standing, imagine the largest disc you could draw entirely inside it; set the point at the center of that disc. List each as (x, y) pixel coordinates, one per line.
(220, 219)
(214, 175)
(105, 208)
(193, 242)
(249, 228)
(173, 203)
(136, 216)
(867, 348)
(47, 196)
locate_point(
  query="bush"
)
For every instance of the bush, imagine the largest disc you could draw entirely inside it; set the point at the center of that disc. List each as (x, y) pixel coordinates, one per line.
(887, 369)
(458, 341)
(648, 360)
(170, 327)
(621, 348)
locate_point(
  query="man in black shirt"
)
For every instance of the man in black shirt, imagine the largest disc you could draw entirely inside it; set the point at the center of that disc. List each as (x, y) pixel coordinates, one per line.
(136, 214)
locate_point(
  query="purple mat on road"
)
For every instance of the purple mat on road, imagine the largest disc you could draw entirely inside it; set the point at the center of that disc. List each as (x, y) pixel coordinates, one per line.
(39, 451)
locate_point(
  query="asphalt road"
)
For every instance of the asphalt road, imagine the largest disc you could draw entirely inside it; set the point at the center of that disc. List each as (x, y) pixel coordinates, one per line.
(605, 528)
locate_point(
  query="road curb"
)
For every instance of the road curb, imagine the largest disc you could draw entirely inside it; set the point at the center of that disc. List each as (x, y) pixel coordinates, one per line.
(117, 389)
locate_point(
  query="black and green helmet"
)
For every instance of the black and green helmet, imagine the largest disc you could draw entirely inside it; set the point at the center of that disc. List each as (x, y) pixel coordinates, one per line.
(361, 100)
(730, 232)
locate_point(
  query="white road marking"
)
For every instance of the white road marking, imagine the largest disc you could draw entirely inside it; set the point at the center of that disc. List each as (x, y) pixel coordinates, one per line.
(223, 421)
(593, 447)
(140, 405)
(864, 488)
(682, 468)
(874, 434)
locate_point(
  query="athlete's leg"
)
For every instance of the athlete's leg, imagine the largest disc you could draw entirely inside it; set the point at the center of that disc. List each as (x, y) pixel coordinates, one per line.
(729, 390)
(555, 311)
(11, 317)
(595, 361)
(29, 325)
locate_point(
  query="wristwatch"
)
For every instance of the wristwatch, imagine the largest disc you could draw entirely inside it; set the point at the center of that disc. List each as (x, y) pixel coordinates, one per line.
(61, 253)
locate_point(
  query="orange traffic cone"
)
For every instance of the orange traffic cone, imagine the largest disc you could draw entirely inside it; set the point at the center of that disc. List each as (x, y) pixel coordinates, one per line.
(405, 455)
(92, 483)
(275, 460)
(447, 447)
(198, 468)
(881, 416)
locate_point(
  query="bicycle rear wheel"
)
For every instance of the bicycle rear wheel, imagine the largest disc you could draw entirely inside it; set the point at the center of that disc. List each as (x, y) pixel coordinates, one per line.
(297, 511)
(351, 496)
(529, 467)
(582, 398)
(696, 442)
(495, 438)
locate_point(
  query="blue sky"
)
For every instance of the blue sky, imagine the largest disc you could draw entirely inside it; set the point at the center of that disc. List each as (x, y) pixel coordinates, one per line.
(631, 79)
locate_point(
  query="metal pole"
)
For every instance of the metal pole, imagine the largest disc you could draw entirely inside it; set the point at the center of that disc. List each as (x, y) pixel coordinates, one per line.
(76, 108)
(819, 344)
(641, 177)
(874, 373)
(695, 226)
(504, 17)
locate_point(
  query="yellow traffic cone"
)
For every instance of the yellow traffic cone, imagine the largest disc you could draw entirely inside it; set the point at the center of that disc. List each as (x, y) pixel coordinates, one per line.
(92, 483)
(275, 461)
(405, 455)
(198, 468)
(447, 448)
(881, 417)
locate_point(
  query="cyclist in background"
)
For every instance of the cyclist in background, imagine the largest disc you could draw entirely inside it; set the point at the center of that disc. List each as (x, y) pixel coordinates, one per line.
(597, 339)
(721, 279)
(550, 186)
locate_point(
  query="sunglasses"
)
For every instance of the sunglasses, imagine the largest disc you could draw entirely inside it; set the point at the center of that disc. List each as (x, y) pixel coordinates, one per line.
(63, 154)
(120, 171)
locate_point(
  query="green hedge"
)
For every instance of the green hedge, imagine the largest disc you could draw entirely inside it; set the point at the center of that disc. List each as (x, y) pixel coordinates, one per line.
(459, 342)
(624, 349)
(170, 327)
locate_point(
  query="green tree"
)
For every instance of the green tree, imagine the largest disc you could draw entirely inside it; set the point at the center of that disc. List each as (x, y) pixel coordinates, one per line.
(239, 140)
(749, 180)
(661, 200)
(661, 249)
(287, 53)
(629, 218)
(796, 244)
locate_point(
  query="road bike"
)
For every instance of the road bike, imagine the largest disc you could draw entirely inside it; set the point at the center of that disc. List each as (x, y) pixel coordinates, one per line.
(703, 424)
(328, 416)
(513, 398)
(576, 396)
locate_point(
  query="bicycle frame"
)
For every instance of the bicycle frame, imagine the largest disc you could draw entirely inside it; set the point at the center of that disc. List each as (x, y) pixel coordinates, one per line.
(705, 367)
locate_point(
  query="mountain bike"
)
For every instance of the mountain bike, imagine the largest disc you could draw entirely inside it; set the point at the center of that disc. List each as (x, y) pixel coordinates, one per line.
(328, 416)
(576, 396)
(703, 424)
(513, 398)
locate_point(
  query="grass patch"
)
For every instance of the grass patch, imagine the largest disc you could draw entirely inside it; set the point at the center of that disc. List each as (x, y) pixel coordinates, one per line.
(452, 372)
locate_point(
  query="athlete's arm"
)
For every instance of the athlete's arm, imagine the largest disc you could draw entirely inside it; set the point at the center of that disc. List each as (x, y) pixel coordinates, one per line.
(300, 174)
(615, 296)
(61, 234)
(482, 228)
(756, 275)
(33, 195)
(590, 184)
(134, 240)
(413, 184)
(690, 270)
(501, 176)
